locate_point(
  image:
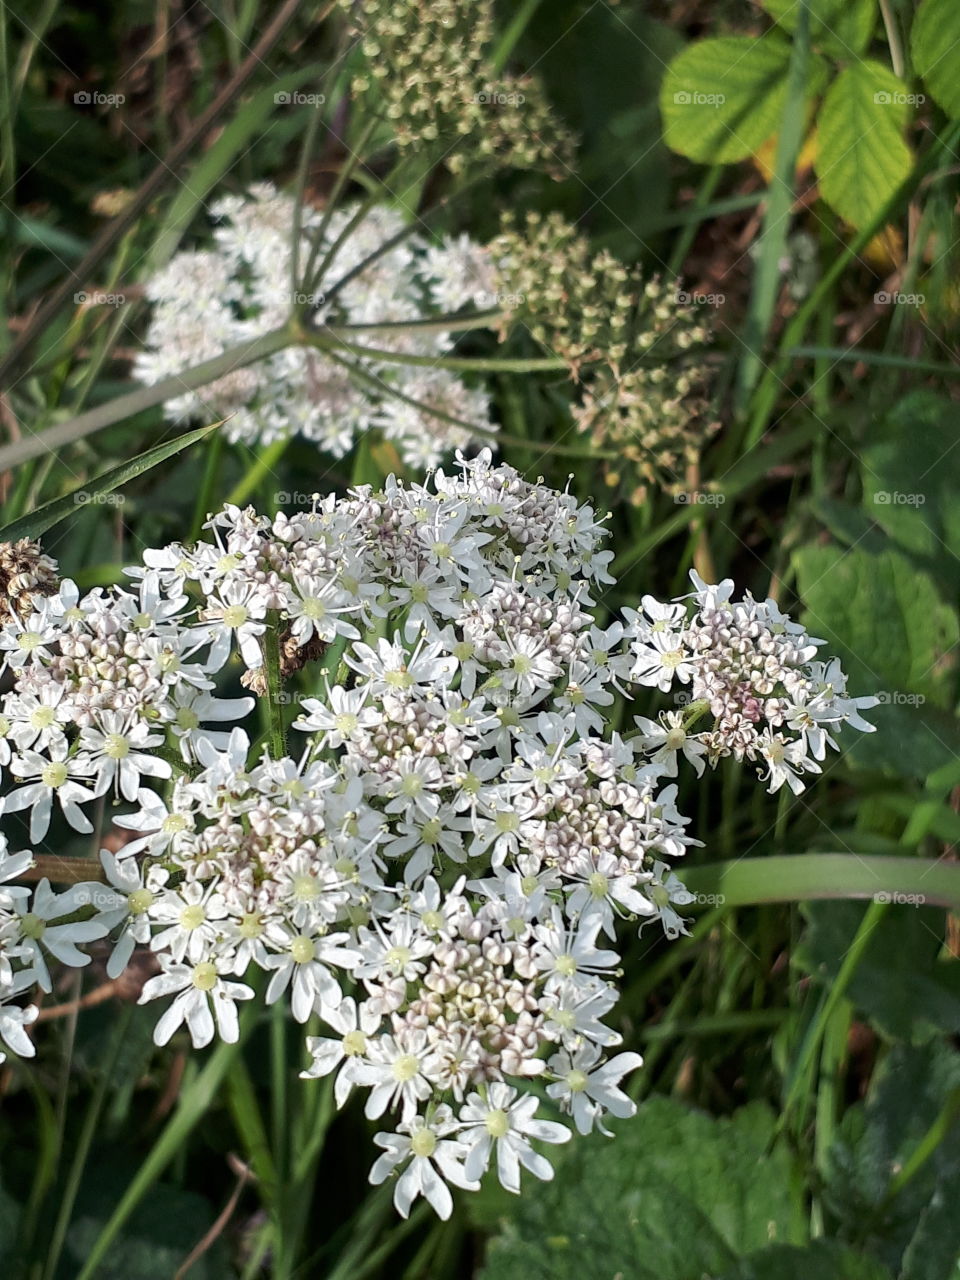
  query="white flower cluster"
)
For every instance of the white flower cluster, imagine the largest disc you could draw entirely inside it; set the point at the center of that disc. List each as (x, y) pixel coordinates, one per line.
(209, 300)
(750, 668)
(439, 871)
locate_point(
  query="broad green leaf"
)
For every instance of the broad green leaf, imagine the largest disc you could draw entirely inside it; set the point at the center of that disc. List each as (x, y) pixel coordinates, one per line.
(839, 27)
(722, 98)
(823, 1259)
(51, 513)
(676, 1196)
(896, 638)
(900, 983)
(862, 157)
(913, 1228)
(911, 478)
(935, 42)
(884, 618)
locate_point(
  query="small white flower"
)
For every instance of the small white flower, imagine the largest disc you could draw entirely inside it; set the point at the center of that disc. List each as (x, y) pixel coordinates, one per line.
(205, 1000)
(588, 1087)
(432, 1157)
(503, 1122)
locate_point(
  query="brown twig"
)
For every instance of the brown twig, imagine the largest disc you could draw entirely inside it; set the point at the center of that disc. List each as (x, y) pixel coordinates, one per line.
(218, 1227)
(50, 866)
(97, 996)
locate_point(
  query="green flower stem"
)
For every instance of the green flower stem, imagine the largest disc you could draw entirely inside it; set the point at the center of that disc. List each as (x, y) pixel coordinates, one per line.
(456, 322)
(105, 415)
(802, 877)
(325, 339)
(50, 866)
(274, 680)
(540, 447)
(311, 273)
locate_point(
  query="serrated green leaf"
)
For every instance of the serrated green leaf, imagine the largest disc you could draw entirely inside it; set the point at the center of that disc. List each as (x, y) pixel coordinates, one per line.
(862, 157)
(691, 1193)
(900, 983)
(914, 1227)
(911, 477)
(895, 636)
(840, 27)
(935, 43)
(884, 618)
(722, 98)
(38, 522)
(823, 1259)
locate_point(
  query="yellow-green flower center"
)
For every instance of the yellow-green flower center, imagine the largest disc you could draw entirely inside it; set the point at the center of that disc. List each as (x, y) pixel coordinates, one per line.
(497, 1122)
(354, 1044)
(205, 976)
(302, 949)
(423, 1143)
(405, 1067)
(192, 917)
(54, 774)
(235, 616)
(116, 747)
(139, 901)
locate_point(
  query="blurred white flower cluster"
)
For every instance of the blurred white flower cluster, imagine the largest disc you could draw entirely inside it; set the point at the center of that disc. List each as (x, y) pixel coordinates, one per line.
(208, 301)
(441, 868)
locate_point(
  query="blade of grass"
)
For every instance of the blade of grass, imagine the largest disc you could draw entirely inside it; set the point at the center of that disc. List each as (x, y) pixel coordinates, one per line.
(779, 202)
(799, 877)
(81, 1153)
(799, 1082)
(195, 1101)
(879, 358)
(51, 513)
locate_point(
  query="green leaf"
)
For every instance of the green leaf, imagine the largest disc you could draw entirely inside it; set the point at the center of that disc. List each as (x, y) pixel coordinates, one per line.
(900, 983)
(885, 619)
(676, 1196)
(895, 637)
(935, 43)
(839, 27)
(862, 157)
(911, 477)
(903, 1129)
(823, 1259)
(44, 518)
(722, 98)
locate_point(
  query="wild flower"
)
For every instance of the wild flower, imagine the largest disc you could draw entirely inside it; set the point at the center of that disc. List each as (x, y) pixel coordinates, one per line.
(207, 301)
(442, 864)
